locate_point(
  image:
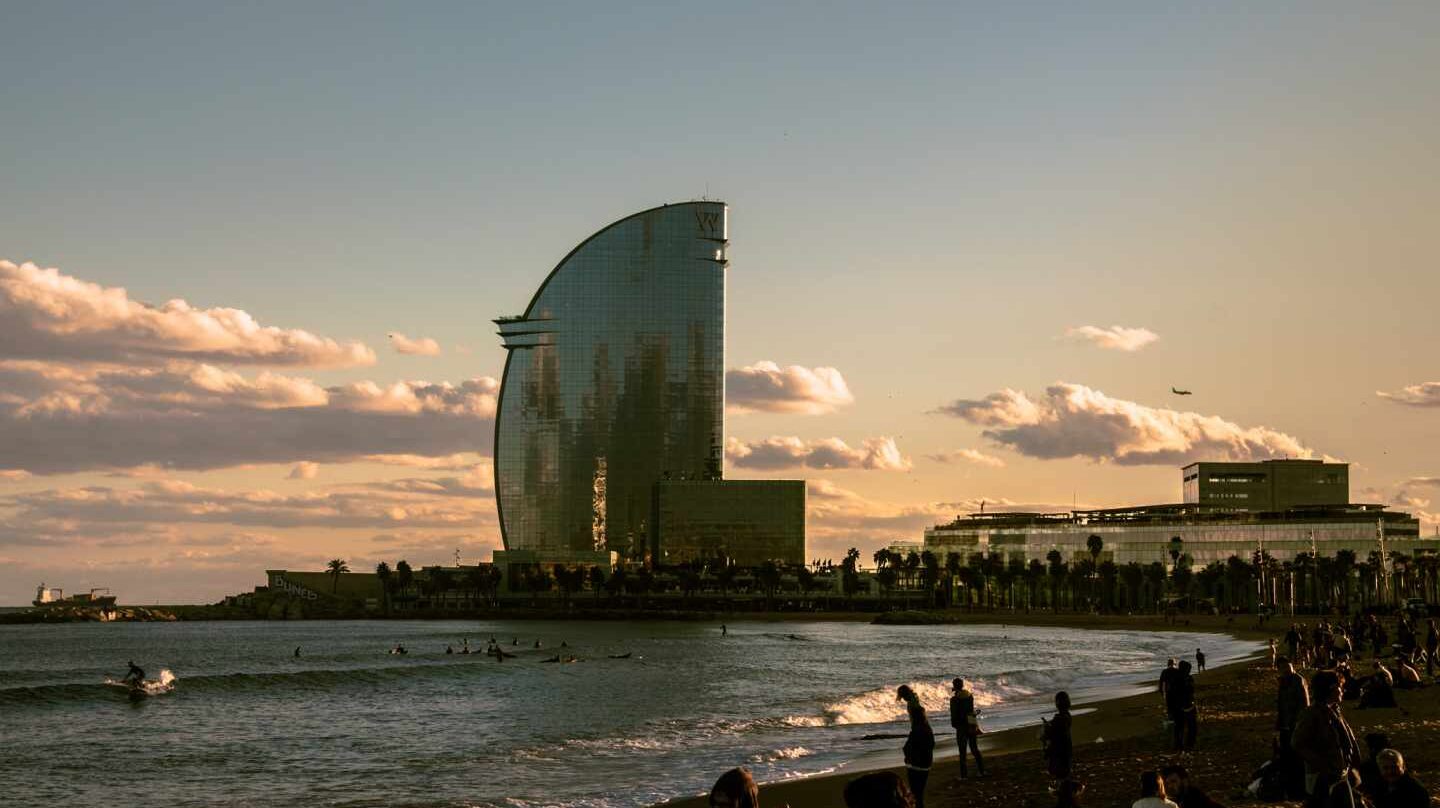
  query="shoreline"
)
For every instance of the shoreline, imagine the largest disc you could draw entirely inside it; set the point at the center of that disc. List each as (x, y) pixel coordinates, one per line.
(1115, 720)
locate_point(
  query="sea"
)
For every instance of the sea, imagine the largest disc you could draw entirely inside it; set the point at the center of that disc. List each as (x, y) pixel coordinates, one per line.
(645, 712)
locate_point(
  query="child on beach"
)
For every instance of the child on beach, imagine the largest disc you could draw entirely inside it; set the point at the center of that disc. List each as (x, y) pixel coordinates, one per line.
(1055, 739)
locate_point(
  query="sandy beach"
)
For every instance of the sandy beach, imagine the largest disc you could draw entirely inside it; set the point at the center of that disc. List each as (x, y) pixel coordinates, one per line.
(1236, 719)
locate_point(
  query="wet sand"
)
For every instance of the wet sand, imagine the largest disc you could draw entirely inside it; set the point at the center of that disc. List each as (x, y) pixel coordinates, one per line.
(1236, 729)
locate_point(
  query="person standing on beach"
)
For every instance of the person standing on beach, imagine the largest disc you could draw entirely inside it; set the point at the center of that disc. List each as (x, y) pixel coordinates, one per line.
(1055, 739)
(919, 744)
(1180, 706)
(1291, 698)
(1167, 676)
(1199, 660)
(1327, 745)
(967, 726)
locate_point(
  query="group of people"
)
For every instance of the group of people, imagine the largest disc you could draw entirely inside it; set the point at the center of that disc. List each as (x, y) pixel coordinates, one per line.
(1316, 752)
(1318, 755)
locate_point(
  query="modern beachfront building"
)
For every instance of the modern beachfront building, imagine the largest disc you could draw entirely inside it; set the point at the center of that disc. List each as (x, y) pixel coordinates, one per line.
(614, 383)
(1281, 507)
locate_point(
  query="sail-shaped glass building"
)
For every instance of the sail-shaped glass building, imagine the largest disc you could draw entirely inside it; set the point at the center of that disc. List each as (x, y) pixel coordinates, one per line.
(612, 406)
(614, 380)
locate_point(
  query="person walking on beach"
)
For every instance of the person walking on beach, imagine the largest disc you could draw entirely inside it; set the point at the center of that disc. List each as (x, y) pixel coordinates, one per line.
(1167, 676)
(1199, 660)
(1055, 739)
(1324, 741)
(1180, 706)
(967, 726)
(735, 789)
(919, 744)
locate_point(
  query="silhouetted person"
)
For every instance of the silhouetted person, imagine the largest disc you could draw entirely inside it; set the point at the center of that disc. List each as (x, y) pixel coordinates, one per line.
(1179, 790)
(878, 790)
(1167, 676)
(1152, 792)
(735, 789)
(1291, 697)
(919, 744)
(723, 631)
(1059, 748)
(297, 652)
(967, 726)
(1180, 706)
(1324, 741)
(1199, 660)
(135, 675)
(1379, 690)
(1370, 780)
(1401, 790)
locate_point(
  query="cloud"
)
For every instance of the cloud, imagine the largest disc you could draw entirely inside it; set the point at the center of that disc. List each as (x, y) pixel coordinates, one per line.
(460, 461)
(767, 387)
(304, 470)
(197, 417)
(968, 455)
(1427, 482)
(47, 315)
(14, 475)
(1114, 338)
(82, 514)
(880, 454)
(1426, 394)
(422, 346)
(837, 518)
(1076, 421)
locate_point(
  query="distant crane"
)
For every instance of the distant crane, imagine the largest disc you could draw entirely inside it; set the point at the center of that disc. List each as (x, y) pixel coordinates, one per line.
(1181, 392)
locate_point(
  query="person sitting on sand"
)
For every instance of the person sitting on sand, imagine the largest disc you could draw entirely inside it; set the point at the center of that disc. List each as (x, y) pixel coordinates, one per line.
(1179, 790)
(878, 790)
(919, 744)
(1370, 780)
(735, 789)
(1378, 692)
(967, 726)
(1055, 739)
(1409, 676)
(1401, 789)
(1152, 792)
(1068, 793)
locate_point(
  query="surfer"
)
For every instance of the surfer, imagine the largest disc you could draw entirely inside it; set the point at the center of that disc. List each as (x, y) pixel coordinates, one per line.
(723, 631)
(135, 675)
(449, 650)
(465, 647)
(297, 652)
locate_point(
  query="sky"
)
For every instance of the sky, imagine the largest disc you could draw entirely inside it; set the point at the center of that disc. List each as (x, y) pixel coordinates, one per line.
(249, 256)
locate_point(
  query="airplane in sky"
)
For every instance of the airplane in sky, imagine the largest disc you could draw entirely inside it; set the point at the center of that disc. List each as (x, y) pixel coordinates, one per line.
(1181, 392)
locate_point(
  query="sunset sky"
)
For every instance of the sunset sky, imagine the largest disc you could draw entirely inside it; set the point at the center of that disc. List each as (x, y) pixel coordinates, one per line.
(249, 256)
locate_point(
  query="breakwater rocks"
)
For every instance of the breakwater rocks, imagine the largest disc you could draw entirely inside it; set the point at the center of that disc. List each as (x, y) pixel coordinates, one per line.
(62, 613)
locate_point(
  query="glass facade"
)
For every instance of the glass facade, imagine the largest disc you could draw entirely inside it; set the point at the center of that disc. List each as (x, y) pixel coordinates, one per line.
(614, 380)
(747, 521)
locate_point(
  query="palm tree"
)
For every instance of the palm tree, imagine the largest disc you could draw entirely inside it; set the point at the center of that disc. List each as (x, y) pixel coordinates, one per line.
(1095, 545)
(768, 576)
(335, 567)
(1156, 575)
(382, 571)
(403, 576)
(597, 581)
(1181, 575)
(849, 573)
(440, 584)
(953, 566)
(932, 575)
(1034, 574)
(1344, 564)
(1133, 576)
(1057, 571)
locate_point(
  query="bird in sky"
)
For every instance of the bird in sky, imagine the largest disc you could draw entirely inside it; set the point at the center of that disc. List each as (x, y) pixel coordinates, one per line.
(1181, 392)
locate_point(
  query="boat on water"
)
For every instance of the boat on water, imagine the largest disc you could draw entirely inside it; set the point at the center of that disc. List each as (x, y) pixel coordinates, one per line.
(46, 597)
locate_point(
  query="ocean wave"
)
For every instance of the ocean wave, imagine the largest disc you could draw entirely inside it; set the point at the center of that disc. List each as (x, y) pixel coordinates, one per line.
(783, 753)
(880, 706)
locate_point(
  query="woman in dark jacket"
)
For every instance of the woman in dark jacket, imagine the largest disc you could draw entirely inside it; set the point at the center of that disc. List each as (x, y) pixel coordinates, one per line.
(1059, 749)
(919, 745)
